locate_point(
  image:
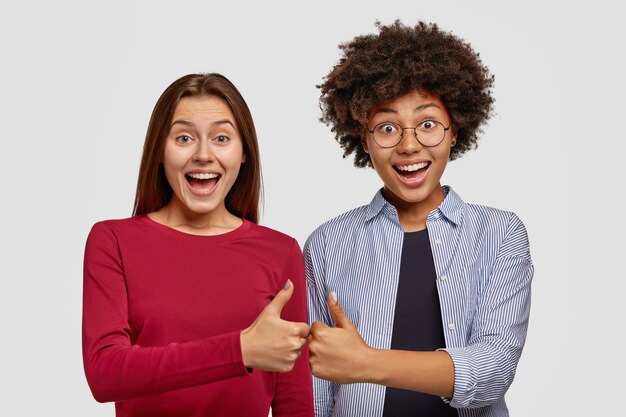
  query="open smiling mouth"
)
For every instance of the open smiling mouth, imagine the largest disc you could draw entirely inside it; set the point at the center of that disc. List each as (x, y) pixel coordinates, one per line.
(202, 181)
(412, 172)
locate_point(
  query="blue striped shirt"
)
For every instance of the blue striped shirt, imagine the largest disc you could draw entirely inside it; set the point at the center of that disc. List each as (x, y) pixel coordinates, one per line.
(484, 272)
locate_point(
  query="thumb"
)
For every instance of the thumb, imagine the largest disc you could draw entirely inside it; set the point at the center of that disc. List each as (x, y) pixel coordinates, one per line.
(279, 301)
(337, 313)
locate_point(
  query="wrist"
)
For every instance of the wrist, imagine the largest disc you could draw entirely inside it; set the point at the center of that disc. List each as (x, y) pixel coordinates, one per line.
(246, 355)
(365, 365)
(378, 367)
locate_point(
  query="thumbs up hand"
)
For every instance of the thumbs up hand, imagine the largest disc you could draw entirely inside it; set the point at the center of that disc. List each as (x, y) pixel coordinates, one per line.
(271, 343)
(339, 353)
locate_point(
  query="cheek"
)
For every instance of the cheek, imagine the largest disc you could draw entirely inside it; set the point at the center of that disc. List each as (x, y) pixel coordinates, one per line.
(174, 156)
(443, 154)
(380, 159)
(231, 161)
(171, 165)
(441, 161)
(174, 161)
(232, 158)
(171, 174)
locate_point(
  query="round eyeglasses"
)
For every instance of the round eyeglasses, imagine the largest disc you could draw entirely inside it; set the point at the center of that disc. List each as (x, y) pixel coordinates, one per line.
(429, 133)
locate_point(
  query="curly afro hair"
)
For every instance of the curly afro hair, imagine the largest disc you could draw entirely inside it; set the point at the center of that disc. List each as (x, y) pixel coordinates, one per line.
(376, 69)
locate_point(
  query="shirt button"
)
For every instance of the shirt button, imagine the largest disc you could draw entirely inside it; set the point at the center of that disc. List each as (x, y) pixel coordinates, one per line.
(443, 277)
(437, 215)
(451, 326)
(438, 241)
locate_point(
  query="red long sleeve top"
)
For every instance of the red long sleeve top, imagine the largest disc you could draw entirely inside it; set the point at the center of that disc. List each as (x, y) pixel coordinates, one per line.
(162, 316)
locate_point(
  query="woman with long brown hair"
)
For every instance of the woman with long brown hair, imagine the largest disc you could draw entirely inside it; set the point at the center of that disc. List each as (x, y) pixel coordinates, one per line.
(182, 302)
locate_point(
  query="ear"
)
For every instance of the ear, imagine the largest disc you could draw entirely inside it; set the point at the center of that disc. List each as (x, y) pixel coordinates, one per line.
(364, 143)
(243, 158)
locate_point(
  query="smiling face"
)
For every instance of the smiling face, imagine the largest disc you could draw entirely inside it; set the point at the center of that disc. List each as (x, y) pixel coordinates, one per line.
(202, 156)
(410, 171)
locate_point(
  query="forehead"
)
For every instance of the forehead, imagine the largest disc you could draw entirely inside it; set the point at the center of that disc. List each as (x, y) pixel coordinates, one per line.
(202, 108)
(414, 101)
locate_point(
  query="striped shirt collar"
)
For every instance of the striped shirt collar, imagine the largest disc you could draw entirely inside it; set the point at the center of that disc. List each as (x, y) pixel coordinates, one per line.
(451, 208)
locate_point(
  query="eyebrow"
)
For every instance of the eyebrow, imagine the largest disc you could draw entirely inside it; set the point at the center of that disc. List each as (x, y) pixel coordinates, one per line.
(417, 109)
(215, 123)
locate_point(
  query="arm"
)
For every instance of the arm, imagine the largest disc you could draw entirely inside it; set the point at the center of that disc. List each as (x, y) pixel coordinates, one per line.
(486, 366)
(293, 393)
(314, 266)
(117, 369)
(355, 361)
(473, 376)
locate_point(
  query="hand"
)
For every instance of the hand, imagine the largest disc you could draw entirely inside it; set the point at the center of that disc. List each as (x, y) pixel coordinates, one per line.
(271, 343)
(339, 353)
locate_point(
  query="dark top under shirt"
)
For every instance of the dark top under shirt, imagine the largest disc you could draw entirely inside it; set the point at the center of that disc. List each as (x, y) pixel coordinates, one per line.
(417, 325)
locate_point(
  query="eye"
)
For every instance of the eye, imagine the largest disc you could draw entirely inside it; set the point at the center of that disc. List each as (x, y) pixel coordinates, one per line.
(182, 139)
(427, 125)
(387, 128)
(221, 139)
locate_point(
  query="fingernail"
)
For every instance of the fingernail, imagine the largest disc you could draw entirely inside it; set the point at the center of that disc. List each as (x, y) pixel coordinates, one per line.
(288, 284)
(333, 295)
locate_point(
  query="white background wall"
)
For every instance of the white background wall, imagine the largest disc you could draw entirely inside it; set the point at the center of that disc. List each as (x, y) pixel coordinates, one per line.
(78, 83)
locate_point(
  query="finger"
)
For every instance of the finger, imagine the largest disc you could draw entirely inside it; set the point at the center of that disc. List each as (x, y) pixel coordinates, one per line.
(302, 346)
(305, 341)
(316, 327)
(279, 301)
(337, 313)
(301, 329)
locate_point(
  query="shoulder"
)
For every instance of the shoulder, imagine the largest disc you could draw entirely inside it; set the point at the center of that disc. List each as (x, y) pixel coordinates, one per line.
(108, 237)
(494, 217)
(482, 221)
(481, 211)
(276, 247)
(337, 227)
(115, 225)
(118, 226)
(501, 228)
(124, 233)
(458, 210)
(271, 236)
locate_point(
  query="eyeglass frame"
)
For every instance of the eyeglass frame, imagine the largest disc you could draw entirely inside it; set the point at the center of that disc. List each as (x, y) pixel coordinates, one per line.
(445, 129)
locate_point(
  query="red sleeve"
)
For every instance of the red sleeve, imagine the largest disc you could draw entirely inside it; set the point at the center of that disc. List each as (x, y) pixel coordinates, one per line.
(118, 370)
(294, 395)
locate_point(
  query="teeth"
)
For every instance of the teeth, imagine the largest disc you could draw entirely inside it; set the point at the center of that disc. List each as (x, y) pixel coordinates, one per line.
(411, 168)
(202, 176)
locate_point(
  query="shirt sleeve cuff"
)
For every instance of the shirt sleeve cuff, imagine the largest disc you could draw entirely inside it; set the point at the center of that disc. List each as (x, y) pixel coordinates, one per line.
(237, 355)
(464, 379)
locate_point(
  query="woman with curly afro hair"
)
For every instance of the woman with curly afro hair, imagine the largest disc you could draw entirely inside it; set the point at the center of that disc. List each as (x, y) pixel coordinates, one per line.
(419, 301)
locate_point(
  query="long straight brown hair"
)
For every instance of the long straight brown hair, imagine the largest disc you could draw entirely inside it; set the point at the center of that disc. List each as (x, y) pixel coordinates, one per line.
(153, 190)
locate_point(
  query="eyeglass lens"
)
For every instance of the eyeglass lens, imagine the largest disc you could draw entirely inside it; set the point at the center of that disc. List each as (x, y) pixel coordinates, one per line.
(428, 133)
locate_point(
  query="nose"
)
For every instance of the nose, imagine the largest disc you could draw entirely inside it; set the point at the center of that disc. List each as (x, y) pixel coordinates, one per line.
(203, 153)
(408, 142)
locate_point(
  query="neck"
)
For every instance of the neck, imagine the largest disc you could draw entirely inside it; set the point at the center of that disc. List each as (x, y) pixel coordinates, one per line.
(179, 217)
(413, 215)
